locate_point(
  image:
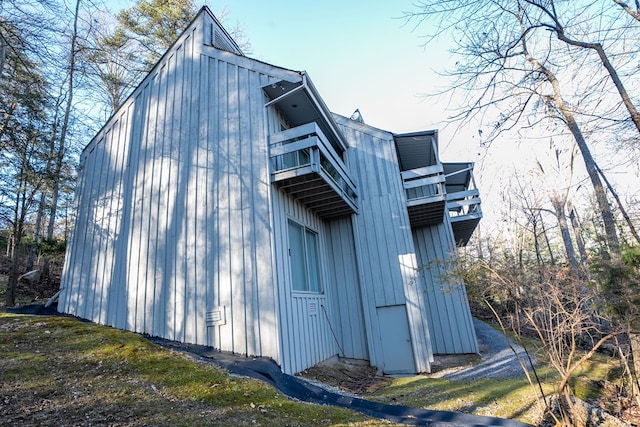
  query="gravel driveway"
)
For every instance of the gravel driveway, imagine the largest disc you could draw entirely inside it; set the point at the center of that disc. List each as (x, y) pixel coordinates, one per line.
(498, 360)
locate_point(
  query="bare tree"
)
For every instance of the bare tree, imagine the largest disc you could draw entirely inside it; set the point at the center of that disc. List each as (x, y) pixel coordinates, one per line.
(22, 155)
(108, 60)
(557, 179)
(549, 11)
(634, 13)
(507, 63)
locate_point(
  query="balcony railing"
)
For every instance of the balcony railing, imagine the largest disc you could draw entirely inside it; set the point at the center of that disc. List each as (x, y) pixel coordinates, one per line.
(305, 165)
(463, 201)
(426, 195)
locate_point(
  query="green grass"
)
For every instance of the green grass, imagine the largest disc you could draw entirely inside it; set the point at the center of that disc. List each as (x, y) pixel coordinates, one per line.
(510, 399)
(57, 370)
(513, 398)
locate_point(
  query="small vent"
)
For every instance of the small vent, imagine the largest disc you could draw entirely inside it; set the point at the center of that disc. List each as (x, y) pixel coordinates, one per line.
(313, 308)
(219, 41)
(216, 317)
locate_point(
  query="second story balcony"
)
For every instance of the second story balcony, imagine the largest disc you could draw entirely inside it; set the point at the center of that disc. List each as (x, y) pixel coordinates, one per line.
(306, 166)
(425, 190)
(422, 177)
(463, 200)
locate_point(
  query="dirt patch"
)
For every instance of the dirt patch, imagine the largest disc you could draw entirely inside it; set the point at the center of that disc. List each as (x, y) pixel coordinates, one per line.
(357, 377)
(352, 377)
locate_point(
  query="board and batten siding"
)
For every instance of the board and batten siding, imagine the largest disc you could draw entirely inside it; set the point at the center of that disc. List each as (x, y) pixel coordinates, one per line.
(173, 232)
(349, 326)
(384, 240)
(450, 322)
(306, 317)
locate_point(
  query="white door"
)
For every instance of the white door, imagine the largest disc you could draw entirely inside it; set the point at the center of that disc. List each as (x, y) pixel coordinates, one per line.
(396, 340)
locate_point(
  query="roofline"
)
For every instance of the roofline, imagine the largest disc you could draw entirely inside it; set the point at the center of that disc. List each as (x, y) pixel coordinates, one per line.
(365, 127)
(328, 116)
(203, 9)
(206, 9)
(432, 132)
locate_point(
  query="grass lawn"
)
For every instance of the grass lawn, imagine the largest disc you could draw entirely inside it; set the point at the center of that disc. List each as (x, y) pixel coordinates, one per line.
(512, 399)
(57, 371)
(62, 371)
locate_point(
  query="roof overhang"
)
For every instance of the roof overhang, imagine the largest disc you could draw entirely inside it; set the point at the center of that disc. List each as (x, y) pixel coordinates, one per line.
(417, 150)
(300, 103)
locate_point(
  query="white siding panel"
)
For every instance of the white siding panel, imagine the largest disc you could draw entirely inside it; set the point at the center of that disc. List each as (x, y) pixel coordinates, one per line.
(116, 304)
(112, 291)
(380, 212)
(153, 192)
(200, 232)
(180, 215)
(234, 173)
(191, 278)
(174, 218)
(224, 216)
(264, 293)
(238, 222)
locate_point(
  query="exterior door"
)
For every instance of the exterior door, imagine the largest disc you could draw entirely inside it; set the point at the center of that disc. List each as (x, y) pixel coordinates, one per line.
(396, 340)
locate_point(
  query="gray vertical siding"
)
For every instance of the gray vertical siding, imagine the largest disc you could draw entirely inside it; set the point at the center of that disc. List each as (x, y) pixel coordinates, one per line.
(173, 212)
(307, 317)
(450, 321)
(385, 243)
(349, 325)
(180, 234)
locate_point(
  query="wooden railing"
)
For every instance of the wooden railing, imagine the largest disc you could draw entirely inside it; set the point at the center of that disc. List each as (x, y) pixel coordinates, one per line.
(424, 185)
(463, 204)
(425, 191)
(305, 150)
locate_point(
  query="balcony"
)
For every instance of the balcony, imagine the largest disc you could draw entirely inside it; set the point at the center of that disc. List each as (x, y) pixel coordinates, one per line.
(306, 166)
(463, 200)
(422, 177)
(425, 190)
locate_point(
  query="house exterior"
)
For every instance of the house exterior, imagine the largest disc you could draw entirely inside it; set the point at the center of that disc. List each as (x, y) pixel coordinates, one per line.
(223, 204)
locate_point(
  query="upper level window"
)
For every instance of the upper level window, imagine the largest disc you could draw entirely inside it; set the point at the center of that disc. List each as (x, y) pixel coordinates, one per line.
(304, 259)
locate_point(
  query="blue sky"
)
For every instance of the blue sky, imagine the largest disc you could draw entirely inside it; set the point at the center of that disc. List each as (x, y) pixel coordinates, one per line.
(359, 54)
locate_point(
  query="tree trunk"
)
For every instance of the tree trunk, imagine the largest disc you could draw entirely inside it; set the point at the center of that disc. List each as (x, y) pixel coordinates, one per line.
(604, 59)
(634, 341)
(613, 73)
(14, 268)
(634, 13)
(632, 229)
(61, 152)
(558, 207)
(17, 227)
(552, 257)
(3, 56)
(605, 211)
(577, 232)
(479, 239)
(37, 234)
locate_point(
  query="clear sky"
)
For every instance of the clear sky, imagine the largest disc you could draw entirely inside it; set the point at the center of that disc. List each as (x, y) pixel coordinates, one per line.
(360, 54)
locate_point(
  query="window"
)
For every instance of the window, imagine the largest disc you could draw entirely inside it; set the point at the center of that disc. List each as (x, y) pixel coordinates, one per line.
(303, 255)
